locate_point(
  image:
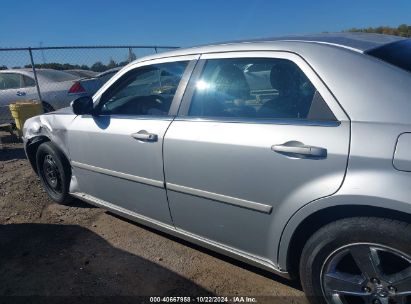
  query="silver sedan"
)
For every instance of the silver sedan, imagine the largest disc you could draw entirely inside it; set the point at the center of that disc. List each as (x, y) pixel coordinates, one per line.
(292, 154)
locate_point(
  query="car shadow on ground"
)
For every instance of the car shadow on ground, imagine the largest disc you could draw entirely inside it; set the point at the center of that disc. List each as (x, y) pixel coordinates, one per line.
(291, 283)
(11, 153)
(70, 262)
(77, 203)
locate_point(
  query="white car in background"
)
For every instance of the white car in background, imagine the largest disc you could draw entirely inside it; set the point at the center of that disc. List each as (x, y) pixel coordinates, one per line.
(57, 88)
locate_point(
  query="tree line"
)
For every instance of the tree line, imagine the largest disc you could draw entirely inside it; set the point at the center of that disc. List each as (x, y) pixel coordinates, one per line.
(96, 67)
(402, 30)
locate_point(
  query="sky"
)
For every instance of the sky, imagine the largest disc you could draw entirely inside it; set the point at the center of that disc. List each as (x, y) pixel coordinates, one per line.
(183, 22)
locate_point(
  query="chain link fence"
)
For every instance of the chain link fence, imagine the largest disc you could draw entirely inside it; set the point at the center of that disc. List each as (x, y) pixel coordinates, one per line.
(57, 75)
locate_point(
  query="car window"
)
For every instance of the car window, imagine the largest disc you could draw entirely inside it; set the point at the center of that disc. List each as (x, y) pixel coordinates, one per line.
(28, 81)
(256, 88)
(144, 91)
(9, 81)
(397, 53)
(106, 77)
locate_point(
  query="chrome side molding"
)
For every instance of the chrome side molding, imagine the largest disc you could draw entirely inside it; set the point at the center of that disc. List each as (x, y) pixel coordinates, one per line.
(221, 198)
(185, 235)
(182, 189)
(134, 178)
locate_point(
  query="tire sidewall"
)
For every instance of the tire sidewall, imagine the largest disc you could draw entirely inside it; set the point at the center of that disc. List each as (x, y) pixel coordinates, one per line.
(342, 233)
(49, 149)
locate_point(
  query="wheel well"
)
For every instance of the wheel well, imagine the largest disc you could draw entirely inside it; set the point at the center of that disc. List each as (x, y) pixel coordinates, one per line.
(47, 107)
(31, 149)
(323, 217)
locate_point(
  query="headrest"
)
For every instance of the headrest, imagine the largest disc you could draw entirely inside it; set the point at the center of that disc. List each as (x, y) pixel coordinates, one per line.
(285, 77)
(232, 82)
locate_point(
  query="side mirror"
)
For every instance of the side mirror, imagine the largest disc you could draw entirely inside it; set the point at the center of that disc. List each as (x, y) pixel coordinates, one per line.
(82, 105)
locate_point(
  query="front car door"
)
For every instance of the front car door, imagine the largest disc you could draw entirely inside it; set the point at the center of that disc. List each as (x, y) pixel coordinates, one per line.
(116, 154)
(256, 132)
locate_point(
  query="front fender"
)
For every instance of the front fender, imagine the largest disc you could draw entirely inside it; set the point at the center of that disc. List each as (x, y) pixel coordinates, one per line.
(47, 127)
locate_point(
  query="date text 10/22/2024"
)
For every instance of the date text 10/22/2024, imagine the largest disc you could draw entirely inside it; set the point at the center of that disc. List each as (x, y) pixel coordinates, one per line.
(236, 299)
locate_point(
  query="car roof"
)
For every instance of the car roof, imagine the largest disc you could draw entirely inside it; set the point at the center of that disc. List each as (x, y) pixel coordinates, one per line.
(357, 42)
(27, 70)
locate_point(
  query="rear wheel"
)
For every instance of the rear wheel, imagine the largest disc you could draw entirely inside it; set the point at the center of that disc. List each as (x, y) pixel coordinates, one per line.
(54, 172)
(358, 260)
(47, 107)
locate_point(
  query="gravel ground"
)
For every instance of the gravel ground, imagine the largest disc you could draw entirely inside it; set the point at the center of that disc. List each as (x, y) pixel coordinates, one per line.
(80, 251)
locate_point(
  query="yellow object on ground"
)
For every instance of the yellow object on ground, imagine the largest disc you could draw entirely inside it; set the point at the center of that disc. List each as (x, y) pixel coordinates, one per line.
(23, 110)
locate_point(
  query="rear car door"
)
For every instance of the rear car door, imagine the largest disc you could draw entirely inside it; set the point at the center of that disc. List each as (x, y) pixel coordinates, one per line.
(116, 154)
(28, 88)
(256, 132)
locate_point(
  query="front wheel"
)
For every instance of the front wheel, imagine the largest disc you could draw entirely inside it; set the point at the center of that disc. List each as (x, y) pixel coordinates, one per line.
(358, 260)
(54, 172)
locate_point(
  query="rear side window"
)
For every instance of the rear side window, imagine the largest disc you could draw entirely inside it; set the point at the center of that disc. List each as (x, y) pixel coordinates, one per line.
(28, 81)
(256, 88)
(10, 81)
(397, 53)
(146, 90)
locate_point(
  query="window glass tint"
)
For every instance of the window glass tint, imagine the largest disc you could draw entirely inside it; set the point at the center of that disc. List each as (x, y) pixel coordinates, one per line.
(9, 81)
(397, 53)
(144, 91)
(256, 88)
(28, 81)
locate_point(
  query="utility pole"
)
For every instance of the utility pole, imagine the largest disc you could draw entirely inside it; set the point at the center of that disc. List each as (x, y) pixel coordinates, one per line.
(42, 53)
(131, 55)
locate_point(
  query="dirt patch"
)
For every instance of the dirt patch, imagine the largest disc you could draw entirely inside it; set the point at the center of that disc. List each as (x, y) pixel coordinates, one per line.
(52, 250)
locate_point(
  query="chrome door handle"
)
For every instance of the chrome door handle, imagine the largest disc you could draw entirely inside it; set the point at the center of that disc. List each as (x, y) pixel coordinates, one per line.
(298, 149)
(20, 93)
(143, 135)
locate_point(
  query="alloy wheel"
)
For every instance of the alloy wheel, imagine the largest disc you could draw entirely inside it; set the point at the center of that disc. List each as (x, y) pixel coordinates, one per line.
(367, 273)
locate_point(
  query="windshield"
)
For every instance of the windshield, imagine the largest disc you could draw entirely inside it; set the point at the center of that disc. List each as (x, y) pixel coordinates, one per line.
(397, 53)
(56, 76)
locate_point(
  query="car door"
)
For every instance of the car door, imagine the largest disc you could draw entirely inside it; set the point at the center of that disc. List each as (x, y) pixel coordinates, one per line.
(28, 88)
(256, 132)
(116, 154)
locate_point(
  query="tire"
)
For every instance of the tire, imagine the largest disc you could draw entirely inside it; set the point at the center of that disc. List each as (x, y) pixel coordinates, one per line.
(47, 107)
(337, 251)
(54, 171)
